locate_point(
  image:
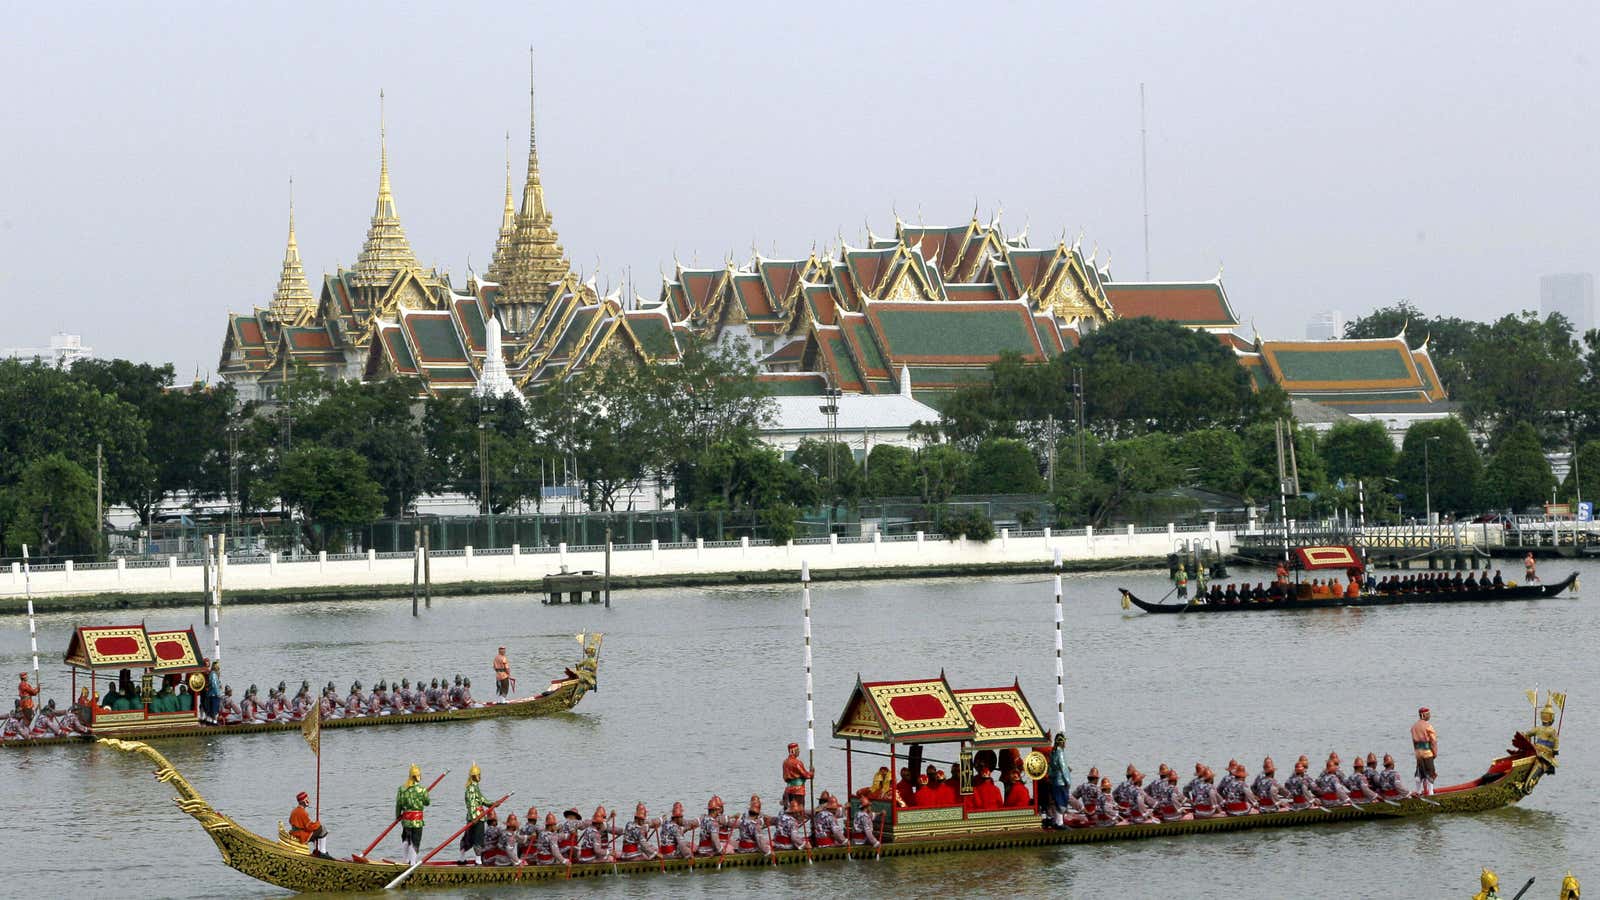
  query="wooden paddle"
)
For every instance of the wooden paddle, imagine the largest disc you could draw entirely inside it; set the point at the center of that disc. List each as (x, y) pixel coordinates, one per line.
(400, 879)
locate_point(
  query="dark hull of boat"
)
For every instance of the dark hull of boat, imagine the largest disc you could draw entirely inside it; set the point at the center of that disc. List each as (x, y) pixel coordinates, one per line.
(1521, 592)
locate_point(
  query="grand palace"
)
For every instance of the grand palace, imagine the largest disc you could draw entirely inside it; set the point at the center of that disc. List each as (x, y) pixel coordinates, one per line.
(916, 313)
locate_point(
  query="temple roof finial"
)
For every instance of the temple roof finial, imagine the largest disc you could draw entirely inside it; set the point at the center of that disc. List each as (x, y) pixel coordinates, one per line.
(386, 250)
(293, 300)
(534, 260)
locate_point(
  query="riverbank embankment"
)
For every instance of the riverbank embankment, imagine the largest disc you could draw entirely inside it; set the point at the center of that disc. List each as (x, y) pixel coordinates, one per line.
(173, 582)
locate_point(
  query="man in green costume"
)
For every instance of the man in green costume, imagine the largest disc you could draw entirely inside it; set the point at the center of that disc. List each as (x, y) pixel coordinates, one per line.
(409, 802)
(472, 841)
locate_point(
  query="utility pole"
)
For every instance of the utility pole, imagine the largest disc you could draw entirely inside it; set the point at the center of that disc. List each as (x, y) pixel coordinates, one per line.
(234, 427)
(99, 494)
(1050, 453)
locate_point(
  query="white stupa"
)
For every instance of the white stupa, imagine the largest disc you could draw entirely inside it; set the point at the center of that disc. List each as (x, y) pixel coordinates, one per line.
(495, 381)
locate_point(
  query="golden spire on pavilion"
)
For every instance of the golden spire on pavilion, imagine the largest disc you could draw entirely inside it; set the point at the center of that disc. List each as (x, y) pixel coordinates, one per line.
(386, 250)
(501, 262)
(536, 260)
(292, 301)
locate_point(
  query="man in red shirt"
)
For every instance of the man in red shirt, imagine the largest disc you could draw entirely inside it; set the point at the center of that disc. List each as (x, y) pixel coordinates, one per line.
(305, 829)
(25, 694)
(795, 776)
(1016, 792)
(985, 793)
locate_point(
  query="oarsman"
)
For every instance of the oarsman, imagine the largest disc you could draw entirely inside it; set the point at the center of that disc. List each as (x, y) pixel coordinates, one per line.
(472, 842)
(709, 828)
(750, 831)
(1131, 799)
(672, 839)
(466, 693)
(45, 723)
(1300, 787)
(635, 835)
(592, 843)
(795, 775)
(502, 842)
(431, 695)
(409, 802)
(1201, 792)
(1356, 782)
(1105, 812)
(1086, 797)
(419, 697)
(1388, 783)
(1425, 743)
(547, 846)
(13, 728)
(789, 831)
(1330, 787)
(528, 833)
(402, 695)
(1268, 793)
(68, 722)
(1237, 800)
(826, 828)
(356, 703)
(1056, 782)
(1498, 581)
(862, 833)
(248, 708)
(571, 826)
(379, 702)
(331, 707)
(502, 674)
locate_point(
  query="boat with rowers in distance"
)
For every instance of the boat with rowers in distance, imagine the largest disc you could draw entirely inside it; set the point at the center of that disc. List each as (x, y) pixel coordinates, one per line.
(98, 652)
(919, 711)
(1298, 596)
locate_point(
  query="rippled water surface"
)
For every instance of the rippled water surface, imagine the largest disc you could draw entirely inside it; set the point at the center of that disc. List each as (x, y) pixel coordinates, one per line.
(701, 689)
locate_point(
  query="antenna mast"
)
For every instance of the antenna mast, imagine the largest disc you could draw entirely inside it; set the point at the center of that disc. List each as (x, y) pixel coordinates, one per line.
(1144, 179)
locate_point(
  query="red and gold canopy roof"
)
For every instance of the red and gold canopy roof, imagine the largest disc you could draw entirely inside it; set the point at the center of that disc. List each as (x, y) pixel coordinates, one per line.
(1000, 716)
(921, 711)
(1335, 557)
(132, 647)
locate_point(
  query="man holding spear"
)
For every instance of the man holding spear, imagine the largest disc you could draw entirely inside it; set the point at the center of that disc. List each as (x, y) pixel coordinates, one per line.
(409, 802)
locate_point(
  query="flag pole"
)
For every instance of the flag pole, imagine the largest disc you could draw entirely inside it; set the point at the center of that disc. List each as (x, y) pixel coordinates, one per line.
(811, 737)
(33, 632)
(1061, 695)
(216, 599)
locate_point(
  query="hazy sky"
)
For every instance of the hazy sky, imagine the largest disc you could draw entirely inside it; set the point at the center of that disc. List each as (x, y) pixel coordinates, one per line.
(1330, 155)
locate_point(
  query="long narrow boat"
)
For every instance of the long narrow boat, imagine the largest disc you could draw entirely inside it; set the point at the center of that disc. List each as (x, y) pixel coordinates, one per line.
(1491, 595)
(563, 693)
(286, 864)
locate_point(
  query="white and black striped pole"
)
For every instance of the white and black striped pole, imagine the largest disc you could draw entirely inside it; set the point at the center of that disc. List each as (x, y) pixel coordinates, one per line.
(810, 711)
(216, 600)
(1061, 693)
(33, 632)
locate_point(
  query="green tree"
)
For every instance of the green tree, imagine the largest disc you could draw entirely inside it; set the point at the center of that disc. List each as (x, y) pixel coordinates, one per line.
(1517, 475)
(1448, 469)
(1136, 465)
(1584, 475)
(332, 490)
(1014, 402)
(891, 472)
(843, 487)
(1212, 458)
(1524, 369)
(51, 509)
(376, 421)
(1003, 466)
(941, 470)
(1358, 450)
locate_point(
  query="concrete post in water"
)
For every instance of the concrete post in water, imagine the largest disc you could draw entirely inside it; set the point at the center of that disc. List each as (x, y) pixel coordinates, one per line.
(427, 569)
(416, 568)
(205, 584)
(1061, 692)
(608, 563)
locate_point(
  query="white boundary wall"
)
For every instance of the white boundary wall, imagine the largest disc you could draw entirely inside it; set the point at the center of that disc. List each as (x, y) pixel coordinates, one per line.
(716, 558)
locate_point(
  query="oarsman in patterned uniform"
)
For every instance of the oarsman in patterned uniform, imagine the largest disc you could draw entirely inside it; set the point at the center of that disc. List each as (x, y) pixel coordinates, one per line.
(229, 712)
(331, 707)
(1237, 799)
(1130, 797)
(503, 850)
(356, 703)
(528, 833)
(592, 843)
(571, 826)
(472, 840)
(409, 803)
(547, 846)
(1388, 783)
(672, 840)
(379, 701)
(1356, 782)
(826, 829)
(1202, 794)
(1330, 787)
(789, 832)
(419, 698)
(1165, 801)
(1086, 797)
(248, 708)
(1266, 788)
(455, 691)
(709, 839)
(402, 694)
(1300, 787)
(466, 693)
(749, 833)
(13, 727)
(635, 836)
(862, 833)
(431, 695)
(45, 724)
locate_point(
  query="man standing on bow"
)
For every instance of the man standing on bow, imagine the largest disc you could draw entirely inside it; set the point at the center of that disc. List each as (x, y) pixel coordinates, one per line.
(409, 803)
(795, 776)
(1425, 740)
(502, 675)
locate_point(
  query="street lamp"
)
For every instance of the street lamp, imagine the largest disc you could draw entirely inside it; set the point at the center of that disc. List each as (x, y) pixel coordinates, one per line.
(1427, 481)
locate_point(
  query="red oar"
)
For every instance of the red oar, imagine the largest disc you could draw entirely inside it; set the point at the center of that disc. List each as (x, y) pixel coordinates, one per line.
(435, 851)
(379, 839)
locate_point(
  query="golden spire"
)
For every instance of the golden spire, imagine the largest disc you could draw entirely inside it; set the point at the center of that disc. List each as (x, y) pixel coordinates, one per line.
(386, 250)
(292, 300)
(535, 259)
(500, 264)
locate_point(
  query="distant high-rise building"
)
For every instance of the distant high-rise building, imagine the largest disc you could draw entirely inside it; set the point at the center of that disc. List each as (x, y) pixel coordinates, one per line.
(64, 350)
(1325, 326)
(1572, 295)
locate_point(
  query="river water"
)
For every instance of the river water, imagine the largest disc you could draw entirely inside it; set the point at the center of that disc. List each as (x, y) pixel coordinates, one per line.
(702, 688)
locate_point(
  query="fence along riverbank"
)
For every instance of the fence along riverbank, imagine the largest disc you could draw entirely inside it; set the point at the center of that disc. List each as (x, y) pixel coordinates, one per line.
(176, 582)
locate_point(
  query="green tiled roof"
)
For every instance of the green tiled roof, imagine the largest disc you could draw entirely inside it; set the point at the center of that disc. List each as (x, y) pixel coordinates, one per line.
(437, 338)
(809, 386)
(862, 335)
(848, 373)
(472, 318)
(1375, 364)
(946, 330)
(921, 375)
(655, 336)
(1334, 399)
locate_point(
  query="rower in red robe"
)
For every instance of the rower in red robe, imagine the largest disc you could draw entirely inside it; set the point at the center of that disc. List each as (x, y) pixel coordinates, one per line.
(795, 776)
